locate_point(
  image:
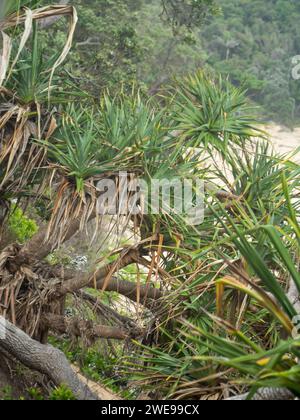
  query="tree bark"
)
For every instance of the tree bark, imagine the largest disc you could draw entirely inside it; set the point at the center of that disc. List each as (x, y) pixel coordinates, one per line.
(293, 295)
(74, 281)
(267, 394)
(123, 287)
(79, 327)
(37, 248)
(42, 358)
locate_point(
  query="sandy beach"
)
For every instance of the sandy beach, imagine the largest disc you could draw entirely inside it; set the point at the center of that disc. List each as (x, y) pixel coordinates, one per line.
(285, 141)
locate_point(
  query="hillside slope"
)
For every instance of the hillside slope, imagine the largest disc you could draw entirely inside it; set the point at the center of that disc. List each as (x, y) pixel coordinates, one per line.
(254, 42)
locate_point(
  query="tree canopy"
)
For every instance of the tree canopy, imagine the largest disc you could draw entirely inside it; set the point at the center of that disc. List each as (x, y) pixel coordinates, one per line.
(151, 42)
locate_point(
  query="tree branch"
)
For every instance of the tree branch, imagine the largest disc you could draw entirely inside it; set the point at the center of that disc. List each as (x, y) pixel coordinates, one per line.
(89, 41)
(80, 327)
(105, 311)
(75, 281)
(123, 287)
(45, 23)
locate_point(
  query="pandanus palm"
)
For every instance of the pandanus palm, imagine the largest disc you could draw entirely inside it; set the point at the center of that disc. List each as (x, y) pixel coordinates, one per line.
(27, 80)
(238, 320)
(51, 146)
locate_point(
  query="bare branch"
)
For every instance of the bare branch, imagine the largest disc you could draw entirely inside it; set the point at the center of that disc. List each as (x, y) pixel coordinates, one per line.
(105, 311)
(123, 287)
(89, 41)
(45, 23)
(80, 327)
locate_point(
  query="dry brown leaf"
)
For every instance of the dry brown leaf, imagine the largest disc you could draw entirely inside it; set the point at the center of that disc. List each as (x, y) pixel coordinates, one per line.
(27, 17)
(5, 56)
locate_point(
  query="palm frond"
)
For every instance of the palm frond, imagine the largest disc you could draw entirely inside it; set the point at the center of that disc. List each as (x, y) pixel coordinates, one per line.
(27, 17)
(211, 114)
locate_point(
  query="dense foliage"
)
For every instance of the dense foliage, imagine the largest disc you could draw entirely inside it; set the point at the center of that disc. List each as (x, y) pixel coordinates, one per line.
(253, 42)
(211, 308)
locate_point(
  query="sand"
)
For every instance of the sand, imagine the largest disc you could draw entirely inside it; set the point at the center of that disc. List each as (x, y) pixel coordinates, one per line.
(285, 141)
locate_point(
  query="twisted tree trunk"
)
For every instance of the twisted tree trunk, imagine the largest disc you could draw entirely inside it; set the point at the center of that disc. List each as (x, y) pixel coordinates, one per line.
(42, 358)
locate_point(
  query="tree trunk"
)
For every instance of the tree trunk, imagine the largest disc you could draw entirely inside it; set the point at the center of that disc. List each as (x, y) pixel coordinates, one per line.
(43, 358)
(267, 394)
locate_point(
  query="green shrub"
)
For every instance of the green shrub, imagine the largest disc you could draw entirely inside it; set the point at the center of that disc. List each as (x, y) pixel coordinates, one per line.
(35, 394)
(23, 227)
(62, 393)
(6, 393)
